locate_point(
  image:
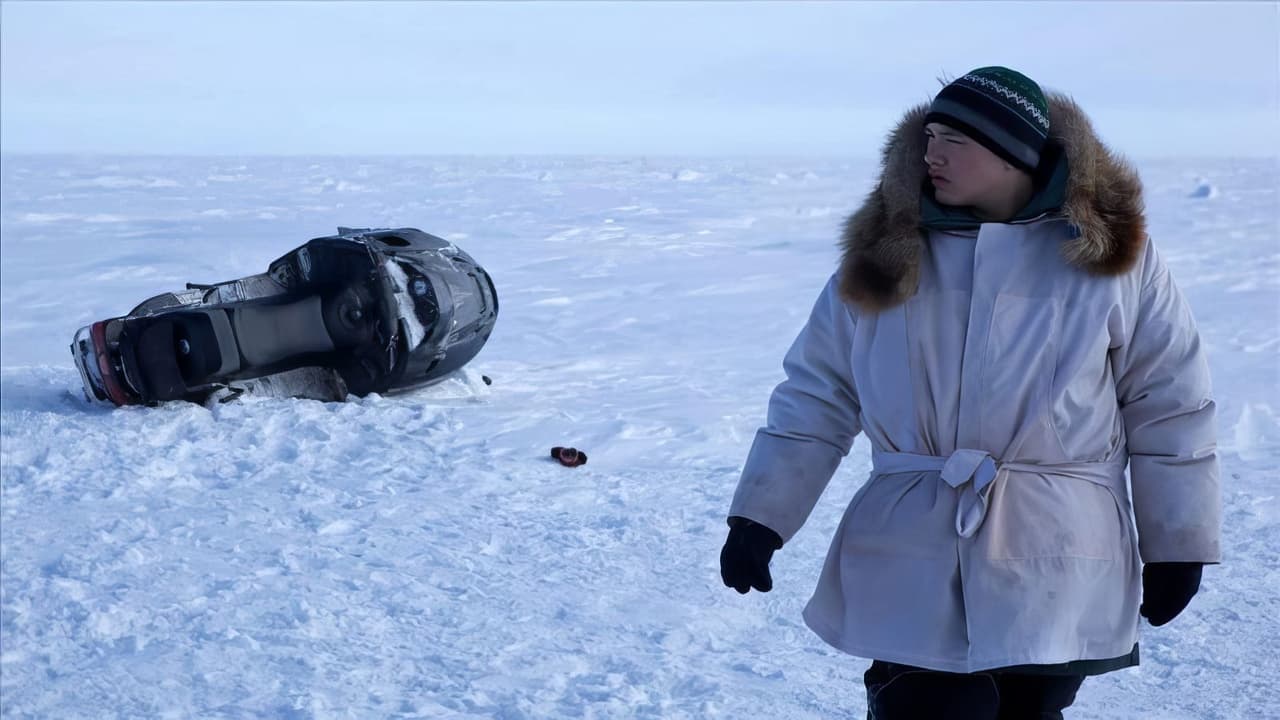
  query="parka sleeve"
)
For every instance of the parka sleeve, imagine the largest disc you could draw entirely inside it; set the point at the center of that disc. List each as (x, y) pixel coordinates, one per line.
(1165, 398)
(812, 421)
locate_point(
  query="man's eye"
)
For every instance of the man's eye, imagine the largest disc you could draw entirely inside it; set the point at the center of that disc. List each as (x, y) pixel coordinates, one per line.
(954, 142)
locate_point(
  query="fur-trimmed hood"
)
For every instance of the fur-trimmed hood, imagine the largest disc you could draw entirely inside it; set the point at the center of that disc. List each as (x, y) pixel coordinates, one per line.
(882, 241)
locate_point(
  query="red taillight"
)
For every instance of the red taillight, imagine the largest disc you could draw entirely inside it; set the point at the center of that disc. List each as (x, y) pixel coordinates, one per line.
(110, 382)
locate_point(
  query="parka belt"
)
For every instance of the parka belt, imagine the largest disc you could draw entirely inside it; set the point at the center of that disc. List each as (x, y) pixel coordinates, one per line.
(974, 471)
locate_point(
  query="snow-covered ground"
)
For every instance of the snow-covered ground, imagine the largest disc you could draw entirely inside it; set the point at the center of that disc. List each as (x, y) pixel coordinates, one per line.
(418, 555)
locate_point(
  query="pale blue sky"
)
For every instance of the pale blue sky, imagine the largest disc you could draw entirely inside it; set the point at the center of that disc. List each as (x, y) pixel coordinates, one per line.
(754, 78)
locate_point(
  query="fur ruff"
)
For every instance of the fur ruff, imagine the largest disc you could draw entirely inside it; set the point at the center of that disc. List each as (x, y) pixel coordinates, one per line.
(882, 241)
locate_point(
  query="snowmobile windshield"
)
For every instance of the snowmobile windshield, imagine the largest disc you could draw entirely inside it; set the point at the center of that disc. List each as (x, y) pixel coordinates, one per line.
(425, 306)
(468, 303)
(447, 307)
(444, 302)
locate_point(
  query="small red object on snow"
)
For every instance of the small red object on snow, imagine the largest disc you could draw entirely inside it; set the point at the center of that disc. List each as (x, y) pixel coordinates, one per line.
(569, 457)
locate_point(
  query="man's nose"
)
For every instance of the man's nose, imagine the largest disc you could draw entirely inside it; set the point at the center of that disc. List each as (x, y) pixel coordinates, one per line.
(931, 153)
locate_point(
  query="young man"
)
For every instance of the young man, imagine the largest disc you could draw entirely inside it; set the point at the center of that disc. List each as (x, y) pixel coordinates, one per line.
(1008, 338)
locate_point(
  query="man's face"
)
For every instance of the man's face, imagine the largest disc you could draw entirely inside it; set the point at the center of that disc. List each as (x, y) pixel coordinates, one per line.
(963, 172)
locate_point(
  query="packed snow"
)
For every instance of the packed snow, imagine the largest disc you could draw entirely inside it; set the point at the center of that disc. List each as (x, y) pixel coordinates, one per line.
(420, 555)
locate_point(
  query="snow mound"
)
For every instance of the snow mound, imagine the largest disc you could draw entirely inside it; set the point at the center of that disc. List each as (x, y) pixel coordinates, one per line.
(1256, 432)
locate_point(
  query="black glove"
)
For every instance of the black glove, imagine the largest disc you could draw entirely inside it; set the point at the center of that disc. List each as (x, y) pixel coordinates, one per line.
(1167, 587)
(744, 561)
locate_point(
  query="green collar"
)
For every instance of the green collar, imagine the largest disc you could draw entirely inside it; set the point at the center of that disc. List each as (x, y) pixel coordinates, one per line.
(1050, 194)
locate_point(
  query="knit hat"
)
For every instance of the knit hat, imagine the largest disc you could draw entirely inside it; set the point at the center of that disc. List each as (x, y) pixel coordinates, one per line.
(1000, 108)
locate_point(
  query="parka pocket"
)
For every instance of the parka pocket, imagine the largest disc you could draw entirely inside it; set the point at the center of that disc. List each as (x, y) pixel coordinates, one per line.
(1017, 377)
(1045, 516)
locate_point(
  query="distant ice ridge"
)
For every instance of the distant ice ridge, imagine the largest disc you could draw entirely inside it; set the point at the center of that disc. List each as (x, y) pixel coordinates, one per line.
(1204, 189)
(116, 182)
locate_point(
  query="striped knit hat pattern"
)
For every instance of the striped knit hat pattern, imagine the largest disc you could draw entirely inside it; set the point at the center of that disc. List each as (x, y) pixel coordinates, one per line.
(1000, 108)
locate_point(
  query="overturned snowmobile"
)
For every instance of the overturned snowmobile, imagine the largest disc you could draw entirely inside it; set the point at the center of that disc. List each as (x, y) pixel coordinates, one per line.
(359, 312)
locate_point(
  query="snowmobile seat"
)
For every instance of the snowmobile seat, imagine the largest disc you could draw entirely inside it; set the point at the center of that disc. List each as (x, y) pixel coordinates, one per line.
(177, 354)
(268, 333)
(209, 349)
(159, 374)
(180, 351)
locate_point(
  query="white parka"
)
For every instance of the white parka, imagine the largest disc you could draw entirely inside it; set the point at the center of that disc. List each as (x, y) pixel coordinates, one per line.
(1005, 376)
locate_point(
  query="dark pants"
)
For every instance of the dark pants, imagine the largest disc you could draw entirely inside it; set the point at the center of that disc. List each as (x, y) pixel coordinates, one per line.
(903, 692)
